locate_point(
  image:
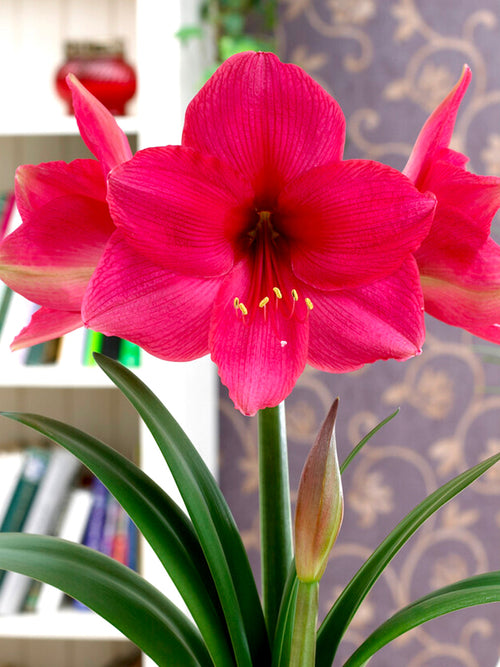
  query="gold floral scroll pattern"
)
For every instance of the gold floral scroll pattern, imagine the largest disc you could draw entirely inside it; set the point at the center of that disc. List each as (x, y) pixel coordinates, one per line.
(388, 62)
(433, 60)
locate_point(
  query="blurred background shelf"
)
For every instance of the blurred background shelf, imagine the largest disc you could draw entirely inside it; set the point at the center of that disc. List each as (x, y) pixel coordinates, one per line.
(34, 129)
(54, 126)
(62, 625)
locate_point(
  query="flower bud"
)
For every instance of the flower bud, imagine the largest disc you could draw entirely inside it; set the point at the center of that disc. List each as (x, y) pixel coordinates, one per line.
(320, 504)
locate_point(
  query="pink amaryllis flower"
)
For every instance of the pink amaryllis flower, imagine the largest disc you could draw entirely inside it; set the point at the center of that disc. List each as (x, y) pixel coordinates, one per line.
(255, 242)
(459, 263)
(50, 258)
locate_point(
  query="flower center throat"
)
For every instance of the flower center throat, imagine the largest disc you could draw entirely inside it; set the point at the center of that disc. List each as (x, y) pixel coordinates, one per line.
(271, 293)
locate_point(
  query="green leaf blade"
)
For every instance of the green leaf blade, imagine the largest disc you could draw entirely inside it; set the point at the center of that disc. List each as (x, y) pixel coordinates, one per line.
(337, 620)
(286, 617)
(481, 589)
(211, 517)
(364, 440)
(113, 591)
(158, 518)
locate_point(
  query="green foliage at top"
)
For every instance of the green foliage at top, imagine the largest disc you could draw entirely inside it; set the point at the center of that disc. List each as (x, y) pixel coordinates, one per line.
(238, 25)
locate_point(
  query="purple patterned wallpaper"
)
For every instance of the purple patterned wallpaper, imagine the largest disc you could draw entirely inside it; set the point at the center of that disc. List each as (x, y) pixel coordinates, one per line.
(388, 63)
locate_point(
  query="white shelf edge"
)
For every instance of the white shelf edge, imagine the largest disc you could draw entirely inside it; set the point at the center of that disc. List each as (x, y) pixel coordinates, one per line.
(55, 126)
(54, 376)
(70, 624)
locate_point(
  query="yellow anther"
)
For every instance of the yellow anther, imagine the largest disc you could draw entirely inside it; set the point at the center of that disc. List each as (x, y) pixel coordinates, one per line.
(236, 302)
(295, 296)
(264, 302)
(309, 303)
(277, 292)
(243, 308)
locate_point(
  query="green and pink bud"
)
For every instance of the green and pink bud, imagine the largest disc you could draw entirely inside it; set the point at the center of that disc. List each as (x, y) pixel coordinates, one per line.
(320, 504)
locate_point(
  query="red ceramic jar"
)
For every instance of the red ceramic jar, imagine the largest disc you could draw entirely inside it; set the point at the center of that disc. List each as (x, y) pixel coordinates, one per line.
(102, 69)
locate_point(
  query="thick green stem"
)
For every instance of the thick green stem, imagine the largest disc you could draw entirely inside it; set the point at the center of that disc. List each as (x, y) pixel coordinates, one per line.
(275, 511)
(303, 653)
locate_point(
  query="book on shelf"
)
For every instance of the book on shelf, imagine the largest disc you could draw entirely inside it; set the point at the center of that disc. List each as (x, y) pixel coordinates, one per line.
(71, 527)
(121, 540)
(74, 349)
(46, 500)
(94, 529)
(110, 526)
(109, 530)
(34, 466)
(53, 487)
(11, 466)
(117, 348)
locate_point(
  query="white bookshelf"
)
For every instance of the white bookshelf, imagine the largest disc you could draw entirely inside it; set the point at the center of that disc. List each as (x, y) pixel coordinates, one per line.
(54, 126)
(63, 625)
(34, 128)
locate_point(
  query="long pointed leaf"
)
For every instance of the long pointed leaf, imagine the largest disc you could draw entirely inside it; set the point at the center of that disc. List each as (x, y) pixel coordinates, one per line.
(211, 518)
(364, 440)
(112, 590)
(481, 589)
(284, 627)
(160, 520)
(336, 622)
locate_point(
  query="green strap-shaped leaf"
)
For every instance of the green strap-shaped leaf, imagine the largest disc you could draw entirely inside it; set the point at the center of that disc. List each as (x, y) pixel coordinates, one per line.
(364, 440)
(336, 622)
(284, 627)
(113, 591)
(166, 528)
(481, 589)
(211, 517)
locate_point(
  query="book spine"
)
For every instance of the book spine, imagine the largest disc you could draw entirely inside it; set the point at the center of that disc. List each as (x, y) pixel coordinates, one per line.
(11, 466)
(95, 526)
(130, 354)
(15, 517)
(93, 343)
(34, 468)
(120, 546)
(110, 526)
(72, 527)
(133, 545)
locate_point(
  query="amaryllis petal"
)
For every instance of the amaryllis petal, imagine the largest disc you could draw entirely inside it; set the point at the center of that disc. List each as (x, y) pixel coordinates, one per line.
(98, 127)
(50, 258)
(166, 314)
(40, 184)
(46, 324)
(467, 204)
(462, 223)
(437, 131)
(468, 299)
(352, 222)
(383, 320)
(260, 353)
(269, 120)
(459, 264)
(181, 209)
